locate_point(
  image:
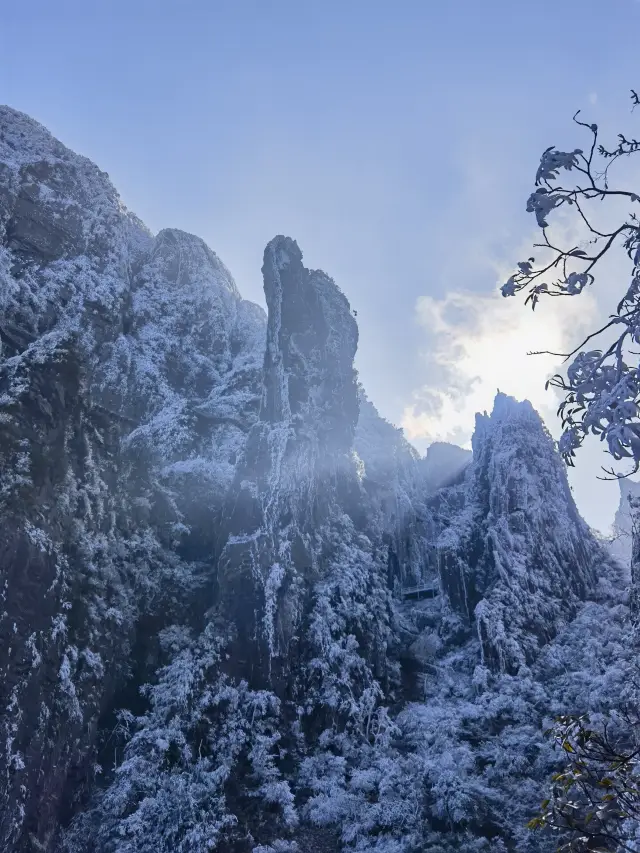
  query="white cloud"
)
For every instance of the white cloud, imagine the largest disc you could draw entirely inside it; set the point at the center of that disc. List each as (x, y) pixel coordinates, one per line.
(478, 344)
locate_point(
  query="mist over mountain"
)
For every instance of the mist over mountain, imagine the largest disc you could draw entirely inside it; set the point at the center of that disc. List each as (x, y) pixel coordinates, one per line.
(240, 612)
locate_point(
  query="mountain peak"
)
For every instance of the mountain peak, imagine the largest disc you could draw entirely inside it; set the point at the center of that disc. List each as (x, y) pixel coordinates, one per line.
(25, 140)
(203, 518)
(312, 338)
(282, 252)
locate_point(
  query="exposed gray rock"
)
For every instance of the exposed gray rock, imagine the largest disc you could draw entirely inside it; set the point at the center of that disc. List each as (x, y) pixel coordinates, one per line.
(298, 467)
(130, 375)
(443, 464)
(515, 555)
(621, 544)
(203, 501)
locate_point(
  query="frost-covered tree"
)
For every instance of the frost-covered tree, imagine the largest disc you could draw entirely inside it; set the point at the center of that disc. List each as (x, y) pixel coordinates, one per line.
(601, 386)
(200, 769)
(594, 803)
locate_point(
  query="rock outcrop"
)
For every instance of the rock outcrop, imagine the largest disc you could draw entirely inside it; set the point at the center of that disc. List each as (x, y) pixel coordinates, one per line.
(621, 543)
(130, 376)
(298, 464)
(210, 540)
(515, 556)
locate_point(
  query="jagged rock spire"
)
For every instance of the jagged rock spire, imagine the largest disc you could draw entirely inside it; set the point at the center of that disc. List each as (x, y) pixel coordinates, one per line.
(516, 560)
(311, 343)
(145, 433)
(298, 456)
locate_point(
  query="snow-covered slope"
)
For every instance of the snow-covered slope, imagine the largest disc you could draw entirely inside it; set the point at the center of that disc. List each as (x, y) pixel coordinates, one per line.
(213, 552)
(516, 557)
(620, 546)
(129, 378)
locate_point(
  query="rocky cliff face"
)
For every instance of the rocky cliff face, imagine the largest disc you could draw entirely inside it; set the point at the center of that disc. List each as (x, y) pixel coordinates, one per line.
(210, 538)
(621, 544)
(297, 466)
(515, 556)
(130, 376)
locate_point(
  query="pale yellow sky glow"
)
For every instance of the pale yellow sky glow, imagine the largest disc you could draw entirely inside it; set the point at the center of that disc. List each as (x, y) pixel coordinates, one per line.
(477, 345)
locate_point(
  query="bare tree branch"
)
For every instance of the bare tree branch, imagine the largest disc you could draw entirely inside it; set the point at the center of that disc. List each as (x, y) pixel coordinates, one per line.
(601, 387)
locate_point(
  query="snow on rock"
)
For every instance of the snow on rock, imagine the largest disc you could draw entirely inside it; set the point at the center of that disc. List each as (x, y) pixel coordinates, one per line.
(443, 463)
(297, 464)
(620, 546)
(396, 483)
(517, 557)
(130, 374)
(207, 538)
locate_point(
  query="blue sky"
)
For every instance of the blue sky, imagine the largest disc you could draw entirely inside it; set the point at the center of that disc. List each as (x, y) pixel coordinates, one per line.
(397, 142)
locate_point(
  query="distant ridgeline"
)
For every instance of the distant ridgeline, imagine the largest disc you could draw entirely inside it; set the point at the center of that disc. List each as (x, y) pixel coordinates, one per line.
(240, 612)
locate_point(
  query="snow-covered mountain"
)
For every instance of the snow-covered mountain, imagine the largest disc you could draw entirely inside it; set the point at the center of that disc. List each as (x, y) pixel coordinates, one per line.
(620, 545)
(240, 612)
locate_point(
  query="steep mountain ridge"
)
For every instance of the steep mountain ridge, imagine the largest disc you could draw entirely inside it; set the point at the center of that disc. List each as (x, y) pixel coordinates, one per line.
(130, 375)
(620, 545)
(298, 457)
(208, 537)
(516, 556)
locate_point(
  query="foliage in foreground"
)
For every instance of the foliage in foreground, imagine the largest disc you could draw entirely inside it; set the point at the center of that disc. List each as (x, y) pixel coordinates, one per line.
(594, 803)
(601, 387)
